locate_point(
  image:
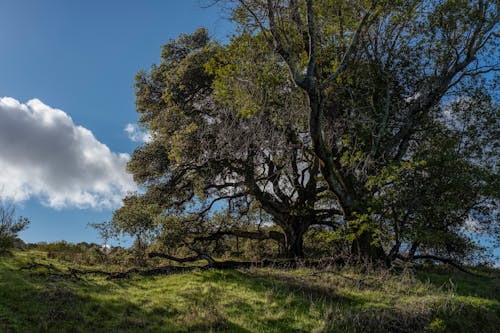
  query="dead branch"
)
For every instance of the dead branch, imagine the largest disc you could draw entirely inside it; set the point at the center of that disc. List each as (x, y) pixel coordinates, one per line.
(444, 260)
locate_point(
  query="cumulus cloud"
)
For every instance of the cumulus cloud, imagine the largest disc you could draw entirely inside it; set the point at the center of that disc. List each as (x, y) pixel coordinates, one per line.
(43, 154)
(136, 134)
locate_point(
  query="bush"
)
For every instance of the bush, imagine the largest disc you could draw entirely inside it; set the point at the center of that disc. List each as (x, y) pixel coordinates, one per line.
(10, 226)
(88, 254)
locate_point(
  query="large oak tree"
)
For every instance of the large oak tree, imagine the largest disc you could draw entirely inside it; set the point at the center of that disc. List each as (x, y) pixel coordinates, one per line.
(376, 75)
(362, 116)
(206, 152)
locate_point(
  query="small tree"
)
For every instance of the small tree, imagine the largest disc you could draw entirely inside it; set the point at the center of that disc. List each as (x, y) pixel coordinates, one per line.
(105, 230)
(137, 218)
(10, 226)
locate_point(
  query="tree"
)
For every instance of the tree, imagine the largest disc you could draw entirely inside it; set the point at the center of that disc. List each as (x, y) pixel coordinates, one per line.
(331, 114)
(136, 217)
(374, 74)
(10, 226)
(204, 151)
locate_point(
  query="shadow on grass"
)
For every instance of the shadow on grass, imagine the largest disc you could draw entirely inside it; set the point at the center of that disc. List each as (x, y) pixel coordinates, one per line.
(36, 301)
(485, 285)
(341, 313)
(283, 287)
(213, 301)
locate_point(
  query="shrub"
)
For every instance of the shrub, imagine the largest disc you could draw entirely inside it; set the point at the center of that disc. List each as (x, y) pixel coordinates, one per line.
(10, 226)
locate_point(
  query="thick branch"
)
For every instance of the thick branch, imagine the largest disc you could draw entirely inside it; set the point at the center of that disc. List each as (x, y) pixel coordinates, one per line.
(280, 48)
(275, 235)
(312, 42)
(448, 261)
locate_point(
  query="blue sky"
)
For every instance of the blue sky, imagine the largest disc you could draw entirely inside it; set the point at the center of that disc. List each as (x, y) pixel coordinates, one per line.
(80, 57)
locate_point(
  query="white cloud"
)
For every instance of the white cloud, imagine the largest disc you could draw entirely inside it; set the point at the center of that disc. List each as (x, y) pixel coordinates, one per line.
(43, 154)
(136, 134)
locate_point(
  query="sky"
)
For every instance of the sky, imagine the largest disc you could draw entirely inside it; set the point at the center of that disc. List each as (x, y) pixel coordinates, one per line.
(67, 113)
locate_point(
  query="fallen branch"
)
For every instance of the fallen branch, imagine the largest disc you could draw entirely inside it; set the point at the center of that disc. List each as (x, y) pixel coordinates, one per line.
(183, 260)
(163, 270)
(448, 261)
(35, 265)
(170, 269)
(51, 270)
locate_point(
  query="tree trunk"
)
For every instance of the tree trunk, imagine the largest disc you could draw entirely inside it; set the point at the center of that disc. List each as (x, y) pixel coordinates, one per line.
(294, 238)
(365, 249)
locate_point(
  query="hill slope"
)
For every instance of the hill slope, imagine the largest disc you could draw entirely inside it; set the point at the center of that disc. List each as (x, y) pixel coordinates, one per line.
(42, 299)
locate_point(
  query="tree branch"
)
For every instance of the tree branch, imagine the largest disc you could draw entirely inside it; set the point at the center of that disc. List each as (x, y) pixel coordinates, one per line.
(274, 235)
(352, 45)
(197, 257)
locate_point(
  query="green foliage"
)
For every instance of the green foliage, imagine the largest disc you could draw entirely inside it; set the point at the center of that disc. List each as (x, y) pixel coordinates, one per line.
(136, 216)
(140, 218)
(246, 77)
(85, 254)
(437, 325)
(212, 138)
(10, 226)
(321, 242)
(358, 98)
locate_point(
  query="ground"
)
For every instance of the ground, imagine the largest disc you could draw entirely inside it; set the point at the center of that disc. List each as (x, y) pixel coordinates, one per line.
(435, 299)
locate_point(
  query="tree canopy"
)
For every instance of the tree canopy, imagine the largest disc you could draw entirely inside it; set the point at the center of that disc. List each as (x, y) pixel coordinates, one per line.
(376, 120)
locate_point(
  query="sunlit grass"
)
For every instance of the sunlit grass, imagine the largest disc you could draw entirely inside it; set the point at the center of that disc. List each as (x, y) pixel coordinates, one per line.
(253, 300)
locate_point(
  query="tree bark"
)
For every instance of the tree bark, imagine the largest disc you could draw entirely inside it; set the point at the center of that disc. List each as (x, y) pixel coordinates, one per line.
(294, 237)
(365, 249)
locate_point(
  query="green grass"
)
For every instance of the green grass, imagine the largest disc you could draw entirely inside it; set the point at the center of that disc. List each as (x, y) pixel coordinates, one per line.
(254, 300)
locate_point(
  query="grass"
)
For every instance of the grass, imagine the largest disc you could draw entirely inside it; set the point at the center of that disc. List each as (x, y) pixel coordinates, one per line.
(253, 300)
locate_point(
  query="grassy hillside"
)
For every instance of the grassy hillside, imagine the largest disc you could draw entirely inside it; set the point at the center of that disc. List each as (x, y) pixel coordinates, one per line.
(254, 300)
